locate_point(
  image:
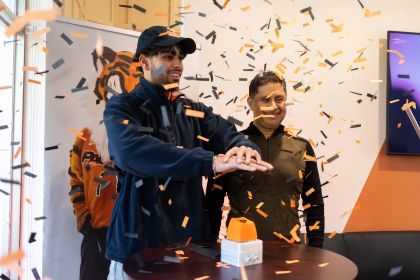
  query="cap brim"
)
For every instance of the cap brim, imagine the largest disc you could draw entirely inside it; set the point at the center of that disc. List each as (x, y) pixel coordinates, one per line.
(186, 44)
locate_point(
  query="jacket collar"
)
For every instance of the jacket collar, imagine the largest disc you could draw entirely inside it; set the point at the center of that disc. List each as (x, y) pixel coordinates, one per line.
(253, 130)
(147, 90)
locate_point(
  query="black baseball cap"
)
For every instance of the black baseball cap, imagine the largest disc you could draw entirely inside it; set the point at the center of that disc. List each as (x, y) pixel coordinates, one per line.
(161, 36)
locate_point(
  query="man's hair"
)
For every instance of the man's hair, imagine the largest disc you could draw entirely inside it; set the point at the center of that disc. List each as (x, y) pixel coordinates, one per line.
(264, 78)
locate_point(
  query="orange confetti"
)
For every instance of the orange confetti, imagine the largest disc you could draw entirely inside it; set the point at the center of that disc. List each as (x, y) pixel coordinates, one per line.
(42, 31)
(5, 87)
(225, 4)
(249, 195)
(336, 28)
(359, 60)
(125, 122)
(179, 252)
(292, 203)
(306, 206)
(28, 17)
(310, 191)
(259, 205)
(30, 68)
(244, 9)
(337, 53)
(292, 261)
(45, 50)
(332, 234)
(314, 226)
(394, 101)
(323, 264)
(398, 125)
(262, 213)
(279, 272)
(369, 13)
(17, 153)
(160, 14)
(13, 257)
(34, 81)
(79, 35)
(294, 234)
(170, 86)
(202, 277)
(170, 201)
(185, 221)
(77, 133)
(202, 138)
(194, 113)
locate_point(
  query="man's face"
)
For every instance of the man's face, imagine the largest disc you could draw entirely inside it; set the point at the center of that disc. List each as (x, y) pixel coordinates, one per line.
(165, 67)
(270, 103)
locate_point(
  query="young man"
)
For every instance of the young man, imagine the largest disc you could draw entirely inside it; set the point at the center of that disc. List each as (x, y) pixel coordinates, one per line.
(156, 141)
(272, 200)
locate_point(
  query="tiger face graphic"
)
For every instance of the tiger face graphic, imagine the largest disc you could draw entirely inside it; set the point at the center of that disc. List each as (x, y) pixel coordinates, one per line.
(116, 66)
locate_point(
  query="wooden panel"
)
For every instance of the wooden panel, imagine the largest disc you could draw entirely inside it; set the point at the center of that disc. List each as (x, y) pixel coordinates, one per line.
(100, 11)
(123, 16)
(157, 13)
(108, 12)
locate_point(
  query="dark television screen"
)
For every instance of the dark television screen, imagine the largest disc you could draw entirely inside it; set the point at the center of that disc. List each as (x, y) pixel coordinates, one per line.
(403, 113)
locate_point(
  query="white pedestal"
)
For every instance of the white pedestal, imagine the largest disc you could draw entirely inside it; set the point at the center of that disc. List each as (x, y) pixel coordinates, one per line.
(242, 253)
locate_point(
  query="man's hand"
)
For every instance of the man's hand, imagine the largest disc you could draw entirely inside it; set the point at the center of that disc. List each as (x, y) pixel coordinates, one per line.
(246, 155)
(220, 166)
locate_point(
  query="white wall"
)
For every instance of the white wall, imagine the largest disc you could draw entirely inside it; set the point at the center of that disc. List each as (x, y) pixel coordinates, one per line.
(333, 95)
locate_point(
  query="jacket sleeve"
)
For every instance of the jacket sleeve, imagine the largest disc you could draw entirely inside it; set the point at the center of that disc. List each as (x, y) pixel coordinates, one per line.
(221, 133)
(315, 213)
(144, 155)
(77, 186)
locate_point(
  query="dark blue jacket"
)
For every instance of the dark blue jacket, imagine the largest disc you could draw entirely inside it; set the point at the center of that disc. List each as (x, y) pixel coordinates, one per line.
(154, 145)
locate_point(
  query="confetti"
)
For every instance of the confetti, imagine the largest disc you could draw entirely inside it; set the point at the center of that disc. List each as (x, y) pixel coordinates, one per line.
(138, 8)
(185, 221)
(202, 278)
(323, 264)
(279, 272)
(294, 234)
(5, 87)
(42, 31)
(309, 192)
(369, 13)
(262, 213)
(11, 258)
(28, 17)
(34, 81)
(32, 237)
(194, 113)
(202, 138)
(292, 261)
(170, 86)
(332, 234)
(66, 39)
(79, 35)
(57, 64)
(58, 3)
(314, 226)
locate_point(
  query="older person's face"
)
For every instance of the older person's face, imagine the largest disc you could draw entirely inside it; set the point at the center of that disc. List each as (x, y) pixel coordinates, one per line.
(165, 67)
(270, 104)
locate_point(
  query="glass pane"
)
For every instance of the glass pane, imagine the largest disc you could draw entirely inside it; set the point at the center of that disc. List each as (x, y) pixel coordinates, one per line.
(11, 4)
(6, 125)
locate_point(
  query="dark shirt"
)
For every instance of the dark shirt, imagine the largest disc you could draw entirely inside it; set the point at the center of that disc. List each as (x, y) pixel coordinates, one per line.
(279, 190)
